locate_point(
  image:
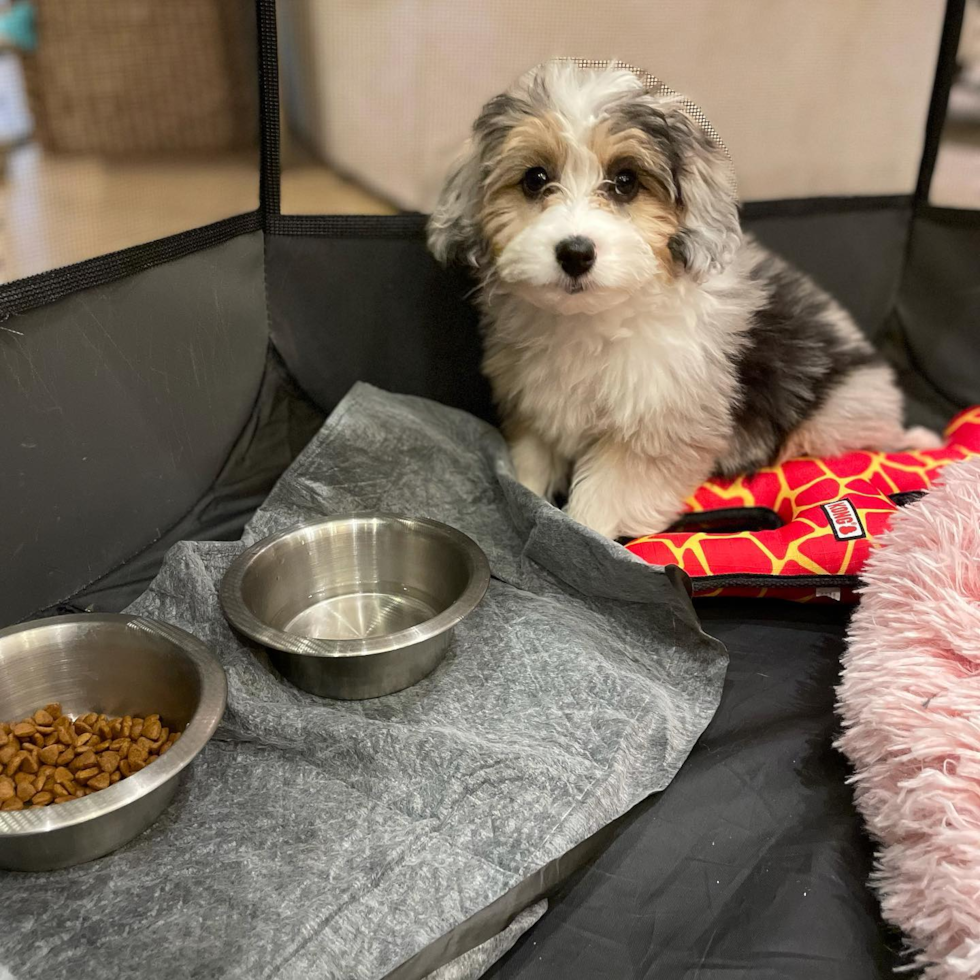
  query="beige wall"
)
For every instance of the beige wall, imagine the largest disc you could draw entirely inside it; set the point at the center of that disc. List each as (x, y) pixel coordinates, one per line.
(813, 97)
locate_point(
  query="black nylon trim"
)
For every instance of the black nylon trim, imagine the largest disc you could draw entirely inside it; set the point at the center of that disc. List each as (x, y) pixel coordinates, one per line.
(412, 225)
(802, 206)
(705, 583)
(945, 72)
(348, 225)
(269, 183)
(963, 217)
(48, 287)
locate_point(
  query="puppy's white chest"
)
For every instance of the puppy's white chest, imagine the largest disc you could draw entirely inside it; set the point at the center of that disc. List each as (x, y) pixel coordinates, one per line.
(627, 373)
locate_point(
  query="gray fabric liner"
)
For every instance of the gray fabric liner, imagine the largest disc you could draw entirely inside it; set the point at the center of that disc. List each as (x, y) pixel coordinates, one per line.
(341, 839)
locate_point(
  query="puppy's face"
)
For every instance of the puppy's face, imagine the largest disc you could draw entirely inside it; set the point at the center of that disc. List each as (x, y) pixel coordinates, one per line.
(575, 192)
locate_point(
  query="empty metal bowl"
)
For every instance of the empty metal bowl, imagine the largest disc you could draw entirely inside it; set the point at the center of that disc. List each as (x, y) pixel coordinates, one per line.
(120, 665)
(356, 607)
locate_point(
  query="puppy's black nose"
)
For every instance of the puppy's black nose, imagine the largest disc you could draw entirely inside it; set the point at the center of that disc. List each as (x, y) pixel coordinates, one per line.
(576, 255)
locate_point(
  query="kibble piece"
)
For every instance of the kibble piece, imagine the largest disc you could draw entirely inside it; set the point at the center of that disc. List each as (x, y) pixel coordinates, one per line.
(7, 788)
(29, 763)
(66, 736)
(62, 775)
(13, 767)
(24, 729)
(124, 768)
(41, 799)
(127, 726)
(152, 727)
(14, 803)
(41, 717)
(109, 761)
(9, 751)
(83, 761)
(115, 777)
(63, 799)
(49, 755)
(99, 782)
(59, 790)
(25, 791)
(83, 739)
(86, 774)
(66, 756)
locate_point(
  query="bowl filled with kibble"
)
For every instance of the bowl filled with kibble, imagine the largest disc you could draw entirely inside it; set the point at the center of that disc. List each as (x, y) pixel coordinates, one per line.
(99, 715)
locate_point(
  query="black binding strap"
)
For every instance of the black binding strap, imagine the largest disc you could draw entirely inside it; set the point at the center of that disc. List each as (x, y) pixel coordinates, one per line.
(799, 207)
(412, 224)
(945, 73)
(47, 287)
(268, 107)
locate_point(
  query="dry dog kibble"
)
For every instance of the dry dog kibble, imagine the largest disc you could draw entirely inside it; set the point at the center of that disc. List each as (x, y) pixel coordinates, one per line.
(52, 758)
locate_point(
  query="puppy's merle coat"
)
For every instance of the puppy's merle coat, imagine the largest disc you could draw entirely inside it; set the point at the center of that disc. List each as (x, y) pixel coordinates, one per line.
(636, 342)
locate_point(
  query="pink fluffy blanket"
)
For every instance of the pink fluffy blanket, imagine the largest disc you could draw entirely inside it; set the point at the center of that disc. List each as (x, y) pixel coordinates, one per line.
(910, 703)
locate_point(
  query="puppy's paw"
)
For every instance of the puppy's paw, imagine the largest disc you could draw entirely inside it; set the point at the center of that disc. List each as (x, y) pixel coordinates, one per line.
(603, 523)
(537, 466)
(919, 438)
(616, 518)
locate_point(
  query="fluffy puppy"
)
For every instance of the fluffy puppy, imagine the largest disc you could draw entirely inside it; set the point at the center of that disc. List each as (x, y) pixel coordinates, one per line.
(635, 341)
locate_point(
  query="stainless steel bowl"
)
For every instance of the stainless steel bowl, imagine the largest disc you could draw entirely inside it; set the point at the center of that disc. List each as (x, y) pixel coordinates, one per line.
(120, 665)
(356, 607)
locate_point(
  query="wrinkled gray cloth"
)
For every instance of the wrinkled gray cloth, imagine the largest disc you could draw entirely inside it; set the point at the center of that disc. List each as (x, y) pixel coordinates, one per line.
(334, 840)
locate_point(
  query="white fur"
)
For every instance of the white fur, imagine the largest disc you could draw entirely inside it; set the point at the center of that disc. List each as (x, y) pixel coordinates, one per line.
(638, 393)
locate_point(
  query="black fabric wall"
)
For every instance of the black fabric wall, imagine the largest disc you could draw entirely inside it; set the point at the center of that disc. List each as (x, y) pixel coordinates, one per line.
(120, 405)
(377, 308)
(933, 331)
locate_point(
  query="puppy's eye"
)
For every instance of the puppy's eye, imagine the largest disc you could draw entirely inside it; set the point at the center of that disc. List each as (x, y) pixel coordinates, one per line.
(534, 181)
(625, 184)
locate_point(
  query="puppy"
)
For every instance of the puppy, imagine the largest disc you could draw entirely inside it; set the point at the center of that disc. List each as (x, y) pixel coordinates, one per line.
(635, 341)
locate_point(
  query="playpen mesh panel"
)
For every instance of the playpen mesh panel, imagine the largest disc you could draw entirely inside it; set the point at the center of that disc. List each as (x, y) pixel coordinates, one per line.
(144, 125)
(825, 99)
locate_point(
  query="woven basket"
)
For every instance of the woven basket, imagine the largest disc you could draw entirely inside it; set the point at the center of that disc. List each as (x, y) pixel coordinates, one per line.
(123, 77)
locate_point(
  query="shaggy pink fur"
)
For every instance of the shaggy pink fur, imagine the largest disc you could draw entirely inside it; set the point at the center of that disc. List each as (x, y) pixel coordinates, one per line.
(910, 702)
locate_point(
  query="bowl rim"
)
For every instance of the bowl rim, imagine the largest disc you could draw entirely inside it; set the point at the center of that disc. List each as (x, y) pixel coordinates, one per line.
(200, 728)
(247, 623)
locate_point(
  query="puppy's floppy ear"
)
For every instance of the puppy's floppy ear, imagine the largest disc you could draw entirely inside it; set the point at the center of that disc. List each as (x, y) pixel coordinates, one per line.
(710, 234)
(453, 230)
